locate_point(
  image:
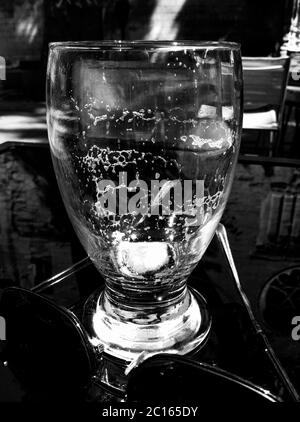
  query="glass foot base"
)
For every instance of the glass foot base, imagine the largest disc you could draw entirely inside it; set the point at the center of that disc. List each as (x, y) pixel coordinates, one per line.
(125, 333)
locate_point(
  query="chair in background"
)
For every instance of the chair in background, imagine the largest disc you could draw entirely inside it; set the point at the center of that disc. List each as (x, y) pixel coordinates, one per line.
(265, 80)
(292, 104)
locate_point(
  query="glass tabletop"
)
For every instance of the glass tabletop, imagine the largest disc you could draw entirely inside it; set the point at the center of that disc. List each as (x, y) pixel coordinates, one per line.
(236, 342)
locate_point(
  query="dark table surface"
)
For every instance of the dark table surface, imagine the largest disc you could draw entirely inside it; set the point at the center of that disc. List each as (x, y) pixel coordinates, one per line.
(233, 344)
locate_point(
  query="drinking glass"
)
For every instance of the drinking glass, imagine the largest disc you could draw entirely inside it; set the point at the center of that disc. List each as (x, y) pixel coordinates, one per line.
(144, 139)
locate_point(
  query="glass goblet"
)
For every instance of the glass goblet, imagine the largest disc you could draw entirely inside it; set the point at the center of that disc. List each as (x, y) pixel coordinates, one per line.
(144, 138)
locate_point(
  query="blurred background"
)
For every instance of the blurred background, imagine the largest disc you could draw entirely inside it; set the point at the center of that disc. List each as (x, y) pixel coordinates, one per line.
(27, 26)
(263, 213)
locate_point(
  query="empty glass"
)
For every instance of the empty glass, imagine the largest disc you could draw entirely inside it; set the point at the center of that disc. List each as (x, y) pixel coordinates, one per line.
(144, 138)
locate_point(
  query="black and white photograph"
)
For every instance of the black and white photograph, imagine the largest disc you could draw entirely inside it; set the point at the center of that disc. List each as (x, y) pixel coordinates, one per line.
(149, 205)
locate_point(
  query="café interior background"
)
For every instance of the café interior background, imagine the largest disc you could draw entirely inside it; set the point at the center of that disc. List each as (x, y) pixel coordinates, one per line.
(36, 237)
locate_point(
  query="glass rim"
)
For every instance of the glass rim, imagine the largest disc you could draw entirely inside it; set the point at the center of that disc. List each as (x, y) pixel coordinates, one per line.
(144, 44)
